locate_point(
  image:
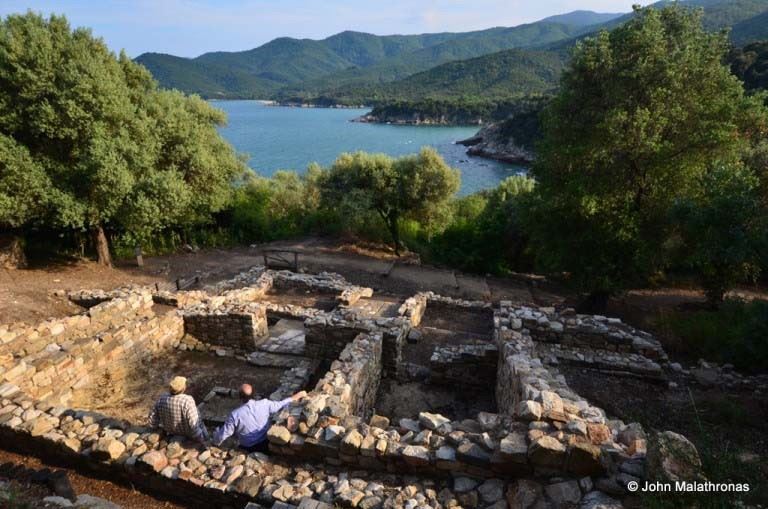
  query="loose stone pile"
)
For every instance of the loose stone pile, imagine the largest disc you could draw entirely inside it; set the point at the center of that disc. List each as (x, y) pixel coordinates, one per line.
(546, 447)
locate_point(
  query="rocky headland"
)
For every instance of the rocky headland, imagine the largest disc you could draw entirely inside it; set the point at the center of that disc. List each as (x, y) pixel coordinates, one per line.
(490, 142)
(512, 140)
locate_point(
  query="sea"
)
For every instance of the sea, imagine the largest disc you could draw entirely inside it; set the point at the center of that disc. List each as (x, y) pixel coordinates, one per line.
(290, 138)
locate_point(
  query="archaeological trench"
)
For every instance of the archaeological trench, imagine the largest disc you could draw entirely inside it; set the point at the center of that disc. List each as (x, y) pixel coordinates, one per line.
(424, 402)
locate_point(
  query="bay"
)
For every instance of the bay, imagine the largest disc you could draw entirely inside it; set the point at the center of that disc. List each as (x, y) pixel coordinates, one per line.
(284, 138)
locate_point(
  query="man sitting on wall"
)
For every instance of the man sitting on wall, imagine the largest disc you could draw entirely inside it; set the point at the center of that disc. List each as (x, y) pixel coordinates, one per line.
(176, 413)
(250, 421)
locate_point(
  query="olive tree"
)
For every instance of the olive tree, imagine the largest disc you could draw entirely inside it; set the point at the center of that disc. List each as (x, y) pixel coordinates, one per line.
(415, 187)
(640, 114)
(105, 148)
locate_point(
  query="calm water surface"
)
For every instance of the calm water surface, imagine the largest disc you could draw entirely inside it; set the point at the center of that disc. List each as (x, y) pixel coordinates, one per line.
(280, 138)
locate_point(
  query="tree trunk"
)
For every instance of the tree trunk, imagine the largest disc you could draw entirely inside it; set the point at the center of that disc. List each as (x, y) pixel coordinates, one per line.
(102, 246)
(395, 232)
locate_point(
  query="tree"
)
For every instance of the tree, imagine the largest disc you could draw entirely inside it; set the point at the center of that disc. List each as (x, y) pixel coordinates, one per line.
(414, 187)
(723, 229)
(641, 113)
(104, 148)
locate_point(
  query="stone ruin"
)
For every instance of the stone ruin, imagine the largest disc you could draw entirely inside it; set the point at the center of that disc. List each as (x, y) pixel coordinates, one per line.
(540, 445)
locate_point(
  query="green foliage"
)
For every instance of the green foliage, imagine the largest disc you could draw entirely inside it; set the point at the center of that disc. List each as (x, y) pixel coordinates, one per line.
(283, 206)
(723, 230)
(460, 111)
(358, 68)
(736, 333)
(415, 187)
(629, 134)
(287, 68)
(750, 64)
(498, 76)
(88, 141)
(485, 233)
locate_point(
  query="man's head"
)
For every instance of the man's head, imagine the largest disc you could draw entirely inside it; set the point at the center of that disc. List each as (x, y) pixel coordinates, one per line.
(178, 385)
(246, 392)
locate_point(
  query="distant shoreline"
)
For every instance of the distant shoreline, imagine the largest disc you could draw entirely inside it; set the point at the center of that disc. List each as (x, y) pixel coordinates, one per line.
(289, 104)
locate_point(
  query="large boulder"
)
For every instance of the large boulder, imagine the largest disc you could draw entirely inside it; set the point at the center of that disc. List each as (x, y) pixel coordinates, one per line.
(672, 457)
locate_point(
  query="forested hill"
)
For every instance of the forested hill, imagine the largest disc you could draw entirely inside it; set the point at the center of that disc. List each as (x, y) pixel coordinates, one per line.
(505, 74)
(346, 58)
(750, 64)
(356, 67)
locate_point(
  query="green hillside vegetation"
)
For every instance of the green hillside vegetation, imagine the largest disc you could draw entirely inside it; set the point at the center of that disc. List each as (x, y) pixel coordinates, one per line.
(211, 81)
(583, 18)
(750, 30)
(750, 64)
(359, 68)
(717, 15)
(506, 73)
(310, 68)
(498, 77)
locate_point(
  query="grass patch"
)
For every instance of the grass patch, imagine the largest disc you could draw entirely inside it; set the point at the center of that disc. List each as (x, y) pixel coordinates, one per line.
(737, 333)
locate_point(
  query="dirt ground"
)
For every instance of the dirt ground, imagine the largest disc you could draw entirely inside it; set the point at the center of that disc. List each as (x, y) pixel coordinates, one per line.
(32, 494)
(475, 322)
(398, 400)
(729, 428)
(303, 298)
(131, 398)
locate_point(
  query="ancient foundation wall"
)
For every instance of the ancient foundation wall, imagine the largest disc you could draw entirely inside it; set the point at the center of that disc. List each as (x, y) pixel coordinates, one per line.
(543, 430)
(471, 365)
(237, 326)
(54, 372)
(20, 339)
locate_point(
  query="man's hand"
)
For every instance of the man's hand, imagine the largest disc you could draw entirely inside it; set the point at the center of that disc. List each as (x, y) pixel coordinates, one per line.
(299, 395)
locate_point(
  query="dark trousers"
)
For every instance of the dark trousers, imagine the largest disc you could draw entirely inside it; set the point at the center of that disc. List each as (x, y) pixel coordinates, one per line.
(262, 447)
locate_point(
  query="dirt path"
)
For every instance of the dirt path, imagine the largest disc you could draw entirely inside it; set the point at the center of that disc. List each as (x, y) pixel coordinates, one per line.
(30, 295)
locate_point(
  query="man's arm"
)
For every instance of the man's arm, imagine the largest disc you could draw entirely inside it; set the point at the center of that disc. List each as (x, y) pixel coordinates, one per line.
(225, 431)
(276, 406)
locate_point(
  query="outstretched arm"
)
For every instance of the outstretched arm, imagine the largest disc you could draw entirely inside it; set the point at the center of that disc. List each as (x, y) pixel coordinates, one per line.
(276, 406)
(225, 431)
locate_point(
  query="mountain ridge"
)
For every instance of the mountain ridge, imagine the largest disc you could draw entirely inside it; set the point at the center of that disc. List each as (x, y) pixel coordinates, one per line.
(374, 66)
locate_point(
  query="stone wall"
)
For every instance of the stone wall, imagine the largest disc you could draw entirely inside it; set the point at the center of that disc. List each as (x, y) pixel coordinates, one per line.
(472, 365)
(324, 282)
(553, 442)
(413, 308)
(65, 365)
(19, 339)
(238, 326)
(590, 341)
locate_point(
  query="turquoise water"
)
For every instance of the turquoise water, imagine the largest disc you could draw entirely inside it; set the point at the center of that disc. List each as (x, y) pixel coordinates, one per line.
(276, 138)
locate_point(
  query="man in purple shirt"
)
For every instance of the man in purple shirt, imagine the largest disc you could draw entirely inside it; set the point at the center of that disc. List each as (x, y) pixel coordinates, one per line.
(250, 421)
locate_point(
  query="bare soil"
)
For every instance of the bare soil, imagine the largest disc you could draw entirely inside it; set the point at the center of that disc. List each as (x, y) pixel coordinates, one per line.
(304, 298)
(728, 428)
(131, 396)
(398, 400)
(379, 306)
(454, 318)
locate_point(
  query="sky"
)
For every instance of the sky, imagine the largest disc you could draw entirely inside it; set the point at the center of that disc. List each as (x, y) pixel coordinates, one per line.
(189, 28)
